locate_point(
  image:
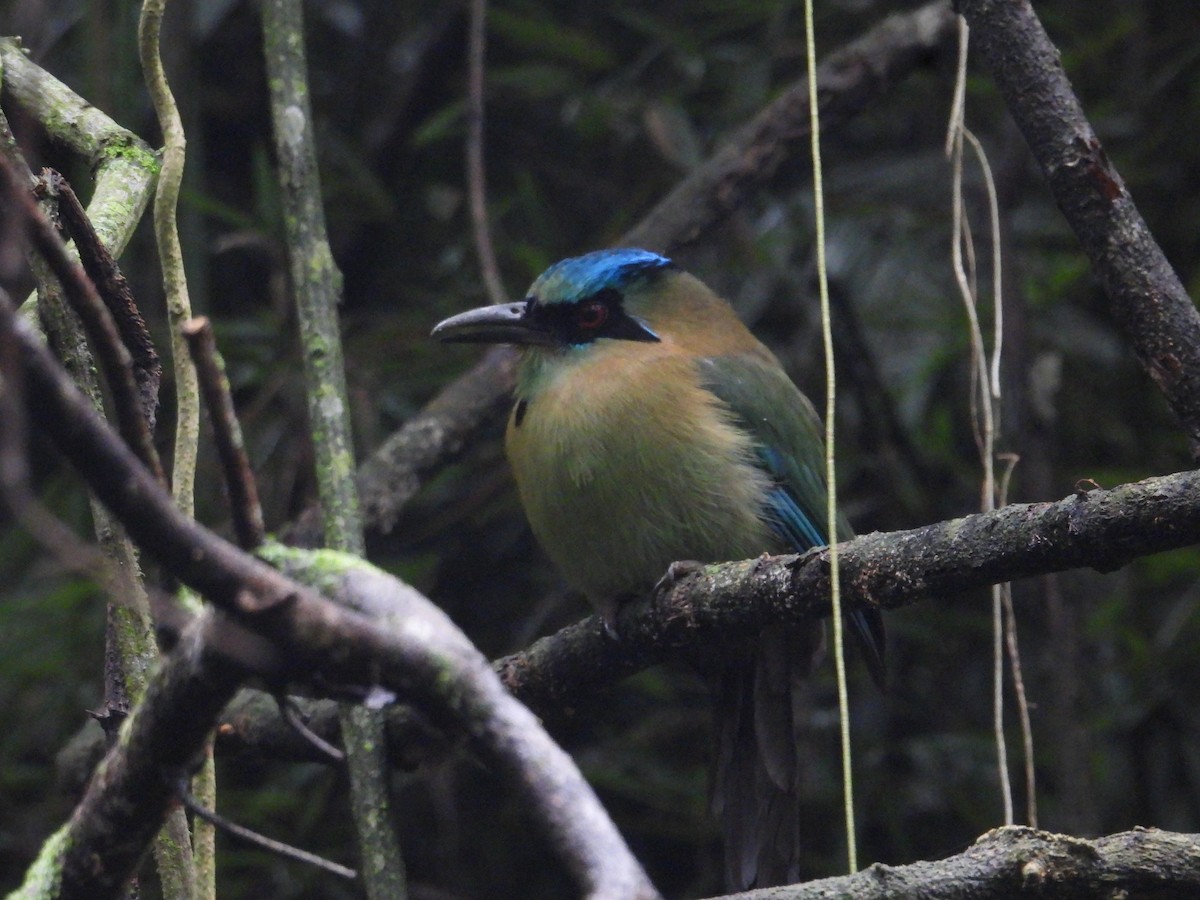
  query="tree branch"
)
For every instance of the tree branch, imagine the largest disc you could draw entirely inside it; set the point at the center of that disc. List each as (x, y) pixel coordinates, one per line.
(476, 174)
(1148, 300)
(848, 79)
(498, 727)
(1098, 529)
(134, 788)
(125, 167)
(227, 432)
(1018, 862)
(102, 269)
(316, 287)
(251, 726)
(109, 348)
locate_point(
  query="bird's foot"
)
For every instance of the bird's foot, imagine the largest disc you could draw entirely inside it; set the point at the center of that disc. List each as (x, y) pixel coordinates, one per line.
(609, 610)
(676, 572)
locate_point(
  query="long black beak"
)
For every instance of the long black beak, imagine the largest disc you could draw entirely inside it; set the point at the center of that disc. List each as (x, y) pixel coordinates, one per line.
(503, 324)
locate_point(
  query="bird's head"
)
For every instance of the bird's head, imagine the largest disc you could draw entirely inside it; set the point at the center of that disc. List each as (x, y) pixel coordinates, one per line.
(572, 305)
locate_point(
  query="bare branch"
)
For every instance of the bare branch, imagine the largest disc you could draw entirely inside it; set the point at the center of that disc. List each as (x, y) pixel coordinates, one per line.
(476, 174)
(125, 167)
(114, 356)
(727, 601)
(287, 851)
(113, 289)
(1148, 300)
(444, 673)
(316, 287)
(1098, 529)
(295, 719)
(134, 787)
(170, 255)
(1023, 862)
(848, 79)
(252, 726)
(239, 477)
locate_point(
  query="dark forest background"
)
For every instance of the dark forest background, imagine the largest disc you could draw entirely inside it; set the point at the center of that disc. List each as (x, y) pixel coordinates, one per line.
(594, 112)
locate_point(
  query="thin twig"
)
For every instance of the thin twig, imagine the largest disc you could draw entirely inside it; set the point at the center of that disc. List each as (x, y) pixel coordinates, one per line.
(831, 527)
(170, 255)
(1014, 659)
(287, 709)
(476, 176)
(112, 353)
(983, 395)
(113, 289)
(231, 449)
(1010, 461)
(287, 851)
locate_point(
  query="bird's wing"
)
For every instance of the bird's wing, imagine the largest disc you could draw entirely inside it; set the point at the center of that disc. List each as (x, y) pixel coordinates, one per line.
(790, 442)
(790, 438)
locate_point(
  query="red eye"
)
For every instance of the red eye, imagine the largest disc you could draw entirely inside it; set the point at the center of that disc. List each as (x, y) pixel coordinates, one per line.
(591, 315)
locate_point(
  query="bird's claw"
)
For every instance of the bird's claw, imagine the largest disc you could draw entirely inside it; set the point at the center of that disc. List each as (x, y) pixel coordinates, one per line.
(609, 609)
(676, 572)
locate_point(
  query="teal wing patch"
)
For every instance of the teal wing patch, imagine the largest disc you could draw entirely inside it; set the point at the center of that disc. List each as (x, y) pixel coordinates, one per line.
(789, 439)
(784, 514)
(790, 448)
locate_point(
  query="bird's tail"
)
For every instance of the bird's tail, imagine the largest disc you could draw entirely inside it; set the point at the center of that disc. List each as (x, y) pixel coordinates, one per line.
(755, 784)
(866, 623)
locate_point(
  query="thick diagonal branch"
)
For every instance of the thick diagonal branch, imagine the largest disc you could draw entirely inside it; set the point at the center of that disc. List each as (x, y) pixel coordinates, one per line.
(1148, 299)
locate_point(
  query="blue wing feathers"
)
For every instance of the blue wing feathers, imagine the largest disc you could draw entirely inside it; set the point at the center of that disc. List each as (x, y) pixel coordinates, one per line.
(789, 435)
(787, 518)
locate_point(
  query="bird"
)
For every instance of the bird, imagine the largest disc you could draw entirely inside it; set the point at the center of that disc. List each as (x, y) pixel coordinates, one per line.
(648, 427)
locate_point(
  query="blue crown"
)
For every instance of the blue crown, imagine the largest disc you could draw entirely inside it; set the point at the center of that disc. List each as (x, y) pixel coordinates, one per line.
(581, 276)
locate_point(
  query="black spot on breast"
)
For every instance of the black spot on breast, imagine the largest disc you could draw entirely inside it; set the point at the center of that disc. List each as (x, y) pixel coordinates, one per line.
(519, 413)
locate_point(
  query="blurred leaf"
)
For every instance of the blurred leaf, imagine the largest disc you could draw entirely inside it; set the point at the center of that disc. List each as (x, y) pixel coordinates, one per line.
(533, 33)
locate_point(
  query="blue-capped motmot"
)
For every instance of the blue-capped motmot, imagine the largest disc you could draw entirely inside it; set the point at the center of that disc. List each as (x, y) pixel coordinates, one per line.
(650, 426)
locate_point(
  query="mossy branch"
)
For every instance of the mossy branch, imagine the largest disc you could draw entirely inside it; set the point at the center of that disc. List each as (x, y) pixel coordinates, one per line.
(125, 170)
(125, 167)
(317, 287)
